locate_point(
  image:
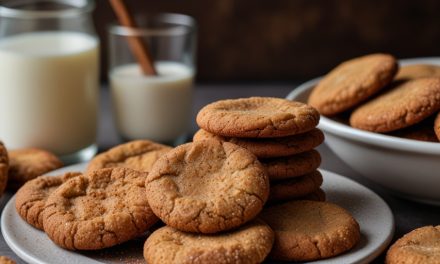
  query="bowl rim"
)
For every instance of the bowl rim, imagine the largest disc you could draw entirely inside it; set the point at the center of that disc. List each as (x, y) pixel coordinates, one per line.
(367, 137)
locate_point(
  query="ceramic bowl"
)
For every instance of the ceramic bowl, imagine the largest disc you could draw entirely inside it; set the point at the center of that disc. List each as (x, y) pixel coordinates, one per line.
(408, 168)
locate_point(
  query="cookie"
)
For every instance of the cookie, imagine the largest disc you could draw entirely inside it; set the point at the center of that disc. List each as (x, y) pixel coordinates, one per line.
(31, 197)
(28, 163)
(207, 187)
(292, 166)
(257, 117)
(250, 243)
(295, 187)
(98, 210)
(416, 71)
(137, 155)
(352, 82)
(319, 196)
(406, 104)
(309, 230)
(423, 131)
(4, 167)
(6, 260)
(271, 147)
(437, 126)
(421, 245)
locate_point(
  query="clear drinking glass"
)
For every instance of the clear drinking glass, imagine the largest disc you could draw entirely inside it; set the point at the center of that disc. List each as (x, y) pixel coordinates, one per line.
(154, 107)
(49, 73)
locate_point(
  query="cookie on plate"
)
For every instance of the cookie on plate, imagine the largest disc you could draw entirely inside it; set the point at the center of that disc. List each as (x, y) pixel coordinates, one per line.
(422, 131)
(250, 243)
(137, 155)
(309, 230)
(271, 147)
(421, 245)
(406, 104)
(4, 167)
(319, 196)
(292, 166)
(416, 71)
(6, 260)
(295, 187)
(207, 187)
(352, 82)
(28, 163)
(257, 117)
(98, 210)
(31, 197)
(437, 126)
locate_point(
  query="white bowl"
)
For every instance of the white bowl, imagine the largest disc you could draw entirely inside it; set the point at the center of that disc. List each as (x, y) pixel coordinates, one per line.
(408, 168)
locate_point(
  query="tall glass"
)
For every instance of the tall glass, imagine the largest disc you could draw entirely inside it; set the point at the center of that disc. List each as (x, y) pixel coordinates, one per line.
(49, 73)
(154, 107)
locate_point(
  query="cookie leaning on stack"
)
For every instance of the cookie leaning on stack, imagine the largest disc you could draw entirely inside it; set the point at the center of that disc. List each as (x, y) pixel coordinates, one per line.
(281, 133)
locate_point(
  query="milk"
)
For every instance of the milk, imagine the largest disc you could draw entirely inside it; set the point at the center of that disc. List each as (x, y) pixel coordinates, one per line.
(152, 107)
(49, 91)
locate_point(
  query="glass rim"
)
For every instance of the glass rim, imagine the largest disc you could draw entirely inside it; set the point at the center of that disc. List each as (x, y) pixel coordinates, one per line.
(75, 7)
(181, 25)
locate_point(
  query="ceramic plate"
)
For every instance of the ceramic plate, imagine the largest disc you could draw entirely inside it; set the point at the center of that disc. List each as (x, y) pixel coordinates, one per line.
(372, 213)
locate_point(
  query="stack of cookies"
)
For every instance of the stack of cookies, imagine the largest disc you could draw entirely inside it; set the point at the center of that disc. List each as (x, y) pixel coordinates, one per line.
(281, 133)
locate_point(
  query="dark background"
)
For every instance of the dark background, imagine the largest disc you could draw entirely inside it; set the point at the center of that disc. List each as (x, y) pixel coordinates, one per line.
(293, 40)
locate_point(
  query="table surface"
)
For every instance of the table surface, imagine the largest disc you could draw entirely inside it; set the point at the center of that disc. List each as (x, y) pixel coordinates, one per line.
(408, 215)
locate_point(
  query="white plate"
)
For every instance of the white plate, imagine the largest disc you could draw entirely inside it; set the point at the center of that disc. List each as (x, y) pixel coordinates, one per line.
(372, 213)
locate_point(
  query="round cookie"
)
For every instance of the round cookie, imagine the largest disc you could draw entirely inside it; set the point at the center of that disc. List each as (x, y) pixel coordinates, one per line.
(310, 230)
(6, 260)
(295, 187)
(98, 210)
(416, 71)
(319, 196)
(406, 104)
(437, 126)
(31, 197)
(137, 155)
(292, 166)
(257, 117)
(271, 147)
(250, 243)
(28, 163)
(207, 187)
(4, 167)
(352, 82)
(421, 245)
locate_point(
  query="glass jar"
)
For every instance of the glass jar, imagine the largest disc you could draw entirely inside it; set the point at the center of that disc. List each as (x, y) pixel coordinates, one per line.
(49, 76)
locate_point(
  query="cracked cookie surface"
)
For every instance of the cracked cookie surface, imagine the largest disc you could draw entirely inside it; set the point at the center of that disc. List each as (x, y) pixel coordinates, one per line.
(271, 147)
(28, 163)
(98, 210)
(257, 117)
(421, 245)
(207, 186)
(352, 82)
(31, 197)
(295, 187)
(404, 105)
(250, 243)
(137, 155)
(310, 230)
(292, 166)
(4, 167)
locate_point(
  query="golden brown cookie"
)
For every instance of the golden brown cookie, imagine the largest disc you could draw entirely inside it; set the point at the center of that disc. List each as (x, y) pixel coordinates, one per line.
(352, 82)
(4, 167)
(31, 197)
(250, 243)
(98, 210)
(257, 117)
(416, 71)
(6, 260)
(421, 245)
(309, 230)
(137, 155)
(292, 166)
(437, 126)
(207, 186)
(28, 163)
(295, 187)
(271, 147)
(406, 104)
(319, 196)
(423, 131)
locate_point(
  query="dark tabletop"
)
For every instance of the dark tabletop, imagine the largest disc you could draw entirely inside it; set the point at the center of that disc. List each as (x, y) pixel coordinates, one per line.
(408, 215)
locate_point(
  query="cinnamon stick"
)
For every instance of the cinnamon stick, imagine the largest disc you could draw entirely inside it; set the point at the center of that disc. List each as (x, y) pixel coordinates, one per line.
(137, 46)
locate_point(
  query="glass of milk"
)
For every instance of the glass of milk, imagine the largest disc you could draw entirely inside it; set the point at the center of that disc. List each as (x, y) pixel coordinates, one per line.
(49, 76)
(154, 107)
